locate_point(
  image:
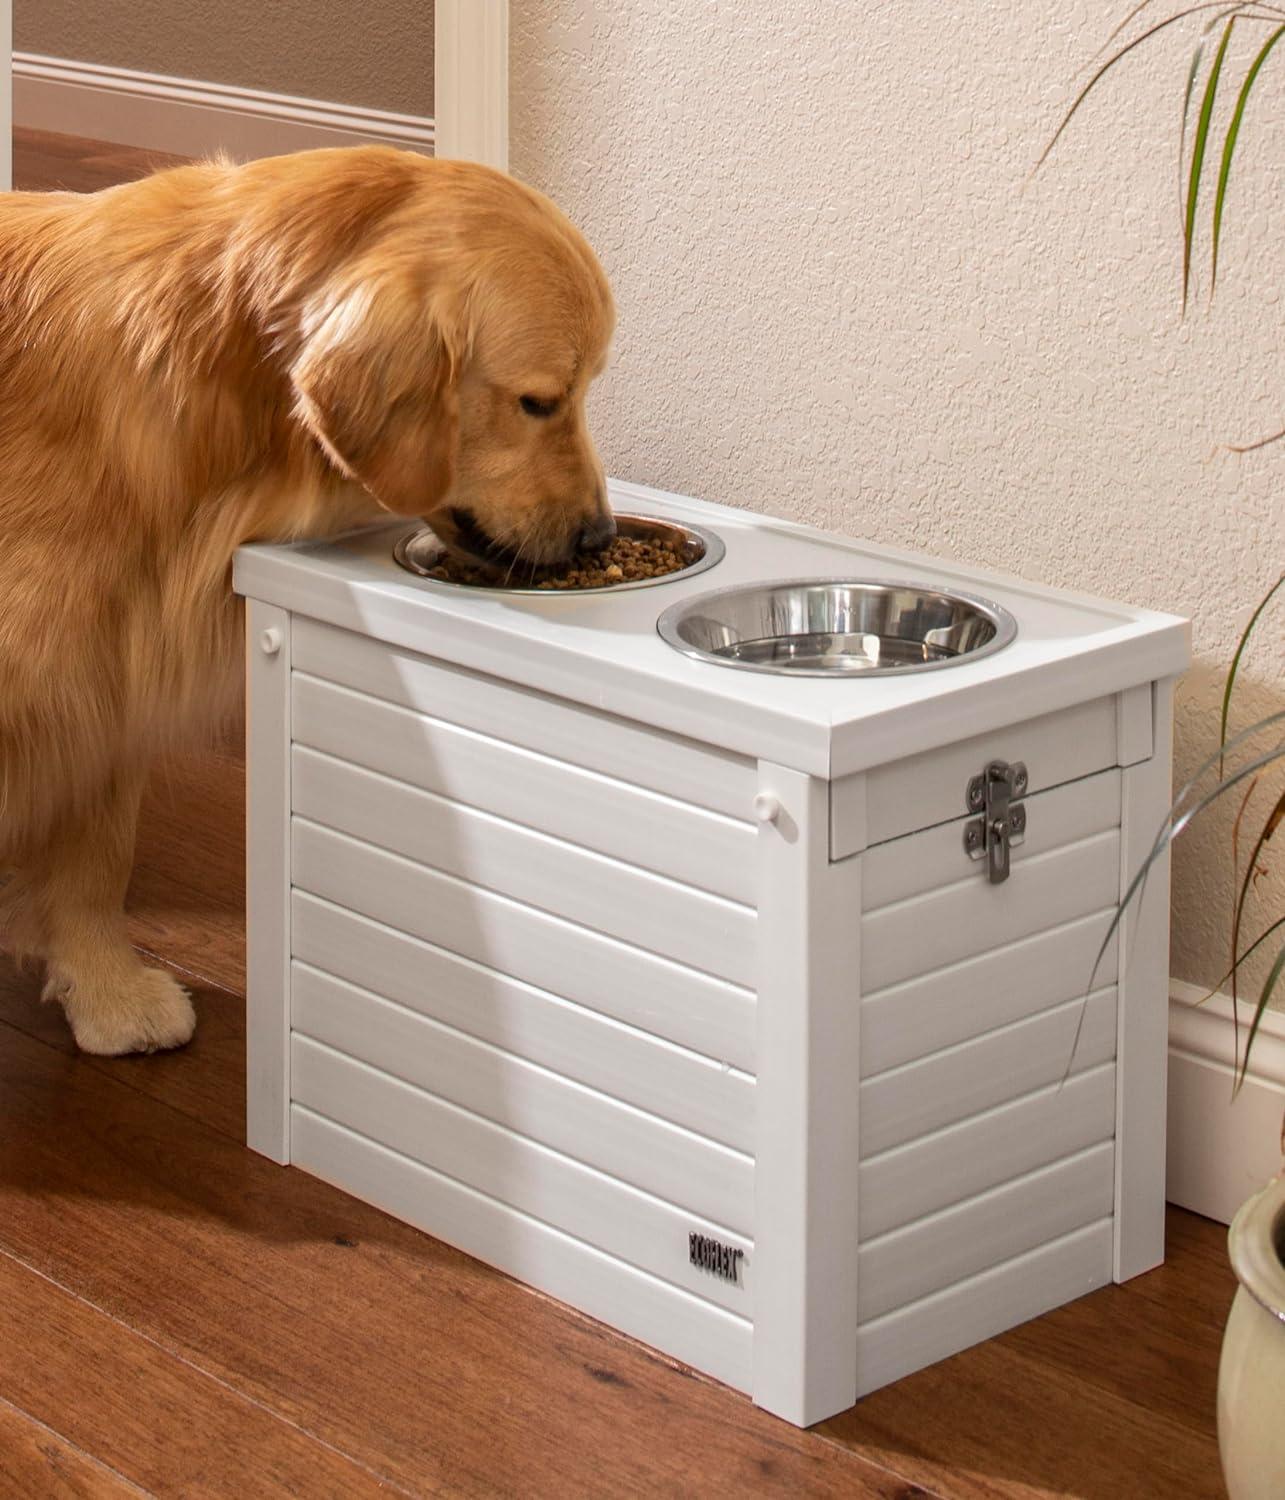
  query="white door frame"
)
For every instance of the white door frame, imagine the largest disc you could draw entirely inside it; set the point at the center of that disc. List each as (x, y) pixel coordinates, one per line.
(470, 80)
(6, 95)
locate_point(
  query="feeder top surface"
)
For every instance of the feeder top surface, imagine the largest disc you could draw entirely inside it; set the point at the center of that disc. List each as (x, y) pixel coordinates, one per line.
(603, 649)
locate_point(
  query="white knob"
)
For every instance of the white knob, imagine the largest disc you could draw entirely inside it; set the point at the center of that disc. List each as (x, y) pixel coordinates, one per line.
(270, 641)
(767, 808)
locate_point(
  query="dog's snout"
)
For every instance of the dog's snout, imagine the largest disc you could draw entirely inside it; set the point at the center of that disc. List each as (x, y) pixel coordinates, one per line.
(595, 534)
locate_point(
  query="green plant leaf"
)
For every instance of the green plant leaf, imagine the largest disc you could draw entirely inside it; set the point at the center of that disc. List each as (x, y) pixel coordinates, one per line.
(1192, 73)
(1269, 984)
(1235, 667)
(1175, 822)
(1245, 7)
(1198, 156)
(1257, 943)
(1127, 22)
(1250, 732)
(1268, 828)
(1229, 146)
(1225, 12)
(1169, 830)
(1257, 764)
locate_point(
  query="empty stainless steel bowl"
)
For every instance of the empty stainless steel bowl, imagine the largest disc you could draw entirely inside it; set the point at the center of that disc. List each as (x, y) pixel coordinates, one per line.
(823, 627)
(420, 552)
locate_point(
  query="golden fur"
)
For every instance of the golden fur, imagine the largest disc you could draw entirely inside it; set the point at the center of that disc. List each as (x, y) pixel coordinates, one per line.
(222, 354)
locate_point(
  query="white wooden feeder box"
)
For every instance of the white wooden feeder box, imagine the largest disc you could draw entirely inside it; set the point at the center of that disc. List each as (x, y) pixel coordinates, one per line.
(679, 991)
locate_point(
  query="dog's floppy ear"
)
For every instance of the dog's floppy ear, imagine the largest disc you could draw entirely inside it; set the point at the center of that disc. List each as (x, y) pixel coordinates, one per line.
(374, 383)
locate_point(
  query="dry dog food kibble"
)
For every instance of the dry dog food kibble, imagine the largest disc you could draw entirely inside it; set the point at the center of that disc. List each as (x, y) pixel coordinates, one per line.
(625, 560)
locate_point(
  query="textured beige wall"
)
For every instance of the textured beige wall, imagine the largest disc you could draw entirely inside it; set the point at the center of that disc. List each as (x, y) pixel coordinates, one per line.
(837, 303)
(377, 53)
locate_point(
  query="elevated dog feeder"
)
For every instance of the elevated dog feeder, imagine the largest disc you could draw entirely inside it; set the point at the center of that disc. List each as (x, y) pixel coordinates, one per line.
(719, 978)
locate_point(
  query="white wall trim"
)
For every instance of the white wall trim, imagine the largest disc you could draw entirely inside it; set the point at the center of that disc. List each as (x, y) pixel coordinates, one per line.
(191, 117)
(471, 80)
(1219, 1151)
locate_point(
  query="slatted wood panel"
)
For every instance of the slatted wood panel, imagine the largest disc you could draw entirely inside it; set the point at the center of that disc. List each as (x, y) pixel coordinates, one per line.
(947, 1247)
(928, 1095)
(1022, 1288)
(636, 1227)
(693, 1009)
(972, 917)
(923, 790)
(981, 1169)
(952, 1004)
(644, 828)
(714, 1181)
(935, 1171)
(694, 1330)
(665, 763)
(522, 973)
(524, 949)
(936, 857)
(674, 1082)
(488, 853)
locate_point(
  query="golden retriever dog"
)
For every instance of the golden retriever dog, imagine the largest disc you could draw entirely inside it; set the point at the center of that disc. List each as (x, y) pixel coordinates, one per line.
(217, 355)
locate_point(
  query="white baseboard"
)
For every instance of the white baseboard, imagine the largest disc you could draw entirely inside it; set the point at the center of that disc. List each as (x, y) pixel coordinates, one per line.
(1221, 1151)
(191, 118)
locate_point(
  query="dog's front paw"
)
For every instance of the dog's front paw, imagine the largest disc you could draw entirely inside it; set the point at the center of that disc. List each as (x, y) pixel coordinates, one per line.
(144, 1011)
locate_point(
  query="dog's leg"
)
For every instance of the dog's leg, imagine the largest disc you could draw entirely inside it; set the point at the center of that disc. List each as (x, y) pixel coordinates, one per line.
(114, 1003)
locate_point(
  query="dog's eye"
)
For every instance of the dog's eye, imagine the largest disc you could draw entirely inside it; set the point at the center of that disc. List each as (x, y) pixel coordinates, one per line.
(535, 407)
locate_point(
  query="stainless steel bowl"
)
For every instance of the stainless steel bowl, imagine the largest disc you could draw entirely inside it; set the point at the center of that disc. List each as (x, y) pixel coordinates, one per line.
(826, 627)
(421, 551)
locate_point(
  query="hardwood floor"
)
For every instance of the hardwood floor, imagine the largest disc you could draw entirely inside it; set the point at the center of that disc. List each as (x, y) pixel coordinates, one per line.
(181, 1317)
(43, 162)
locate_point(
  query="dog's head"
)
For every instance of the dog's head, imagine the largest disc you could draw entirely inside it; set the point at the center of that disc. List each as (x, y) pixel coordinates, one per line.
(445, 363)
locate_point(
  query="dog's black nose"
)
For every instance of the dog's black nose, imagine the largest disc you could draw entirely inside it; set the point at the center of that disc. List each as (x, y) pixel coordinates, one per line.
(595, 534)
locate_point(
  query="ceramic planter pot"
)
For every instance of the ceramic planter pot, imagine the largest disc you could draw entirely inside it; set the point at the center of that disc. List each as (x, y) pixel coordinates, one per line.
(1251, 1374)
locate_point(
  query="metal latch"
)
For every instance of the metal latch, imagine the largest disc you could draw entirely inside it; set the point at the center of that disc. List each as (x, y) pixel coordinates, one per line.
(1002, 823)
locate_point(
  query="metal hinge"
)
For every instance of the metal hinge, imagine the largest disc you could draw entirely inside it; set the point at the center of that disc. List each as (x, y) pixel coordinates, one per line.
(1002, 824)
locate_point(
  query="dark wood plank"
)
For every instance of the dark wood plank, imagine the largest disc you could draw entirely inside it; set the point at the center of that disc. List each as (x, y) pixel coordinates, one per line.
(186, 909)
(205, 1081)
(1125, 1379)
(1164, 1359)
(35, 1461)
(1196, 1283)
(45, 162)
(186, 901)
(993, 1422)
(150, 1417)
(389, 1346)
